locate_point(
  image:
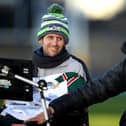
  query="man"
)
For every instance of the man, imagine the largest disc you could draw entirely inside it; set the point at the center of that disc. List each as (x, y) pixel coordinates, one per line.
(53, 58)
(111, 83)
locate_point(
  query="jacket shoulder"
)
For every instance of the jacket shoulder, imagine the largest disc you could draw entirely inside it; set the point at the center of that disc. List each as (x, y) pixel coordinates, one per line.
(84, 67)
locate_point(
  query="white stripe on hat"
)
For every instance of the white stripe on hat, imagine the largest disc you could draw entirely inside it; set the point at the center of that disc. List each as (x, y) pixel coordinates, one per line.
(53, 22)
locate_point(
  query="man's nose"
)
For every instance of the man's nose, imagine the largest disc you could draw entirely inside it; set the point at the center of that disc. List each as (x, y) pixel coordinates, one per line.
(55, 41)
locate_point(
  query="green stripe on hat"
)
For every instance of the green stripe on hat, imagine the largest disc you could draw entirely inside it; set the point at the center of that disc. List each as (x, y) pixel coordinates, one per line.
(57, 15)
(47, 29)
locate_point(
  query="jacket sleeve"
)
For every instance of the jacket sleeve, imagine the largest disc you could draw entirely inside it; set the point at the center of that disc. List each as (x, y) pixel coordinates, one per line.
(110, 84)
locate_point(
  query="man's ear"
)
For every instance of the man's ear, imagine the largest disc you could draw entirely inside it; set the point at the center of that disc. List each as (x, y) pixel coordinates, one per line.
(40, 41)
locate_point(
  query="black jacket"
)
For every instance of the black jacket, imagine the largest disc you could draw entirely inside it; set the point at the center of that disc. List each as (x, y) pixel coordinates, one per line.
(112, 83)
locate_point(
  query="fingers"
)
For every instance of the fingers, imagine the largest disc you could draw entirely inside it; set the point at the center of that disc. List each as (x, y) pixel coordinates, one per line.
(40, 119)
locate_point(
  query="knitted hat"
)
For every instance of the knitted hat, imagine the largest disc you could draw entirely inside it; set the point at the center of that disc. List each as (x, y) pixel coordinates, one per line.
(54, 22)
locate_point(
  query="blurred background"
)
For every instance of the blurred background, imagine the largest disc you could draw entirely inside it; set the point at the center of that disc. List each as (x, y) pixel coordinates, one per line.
(97, 33)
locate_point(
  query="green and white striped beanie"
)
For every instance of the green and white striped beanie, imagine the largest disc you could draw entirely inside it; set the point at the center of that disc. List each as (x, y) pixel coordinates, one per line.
(54, 22)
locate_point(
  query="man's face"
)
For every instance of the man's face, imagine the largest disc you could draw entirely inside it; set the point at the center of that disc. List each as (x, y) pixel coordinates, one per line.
(52, 44)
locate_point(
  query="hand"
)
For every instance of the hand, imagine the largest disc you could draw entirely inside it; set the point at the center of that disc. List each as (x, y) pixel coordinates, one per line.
(40, 119)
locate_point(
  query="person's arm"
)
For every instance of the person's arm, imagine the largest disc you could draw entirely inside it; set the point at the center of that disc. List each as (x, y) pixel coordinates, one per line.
(110, 84)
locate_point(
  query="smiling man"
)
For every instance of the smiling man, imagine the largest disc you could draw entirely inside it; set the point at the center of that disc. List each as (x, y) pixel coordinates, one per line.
(52, 44)
(51, 58)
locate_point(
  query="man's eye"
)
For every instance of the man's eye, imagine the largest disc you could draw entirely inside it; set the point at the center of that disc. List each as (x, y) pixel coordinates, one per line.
(50, 37)
(59, 39)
